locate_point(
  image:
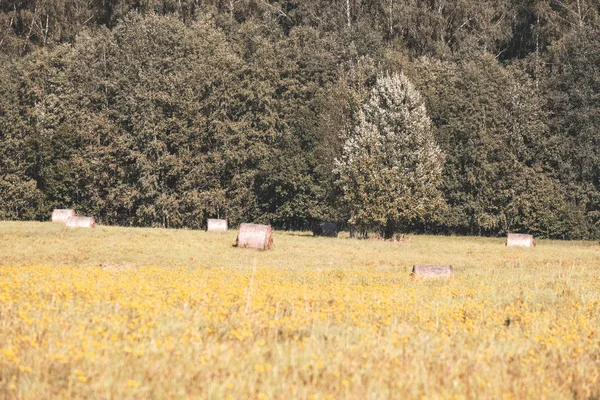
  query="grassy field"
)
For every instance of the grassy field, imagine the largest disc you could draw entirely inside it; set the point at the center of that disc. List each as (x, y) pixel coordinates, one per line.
(312, 318)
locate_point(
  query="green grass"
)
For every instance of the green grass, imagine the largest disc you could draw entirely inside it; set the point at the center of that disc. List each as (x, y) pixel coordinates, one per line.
(51, 244)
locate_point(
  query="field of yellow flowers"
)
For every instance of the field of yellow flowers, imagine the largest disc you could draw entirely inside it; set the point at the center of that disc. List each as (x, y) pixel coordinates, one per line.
(314, 318)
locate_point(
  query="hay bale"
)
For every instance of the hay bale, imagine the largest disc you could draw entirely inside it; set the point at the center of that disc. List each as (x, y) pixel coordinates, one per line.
(433, 271)
(216, 225)
(520, 239)
(328, 229)
(81, 222)
(62, 215)
(255, 236)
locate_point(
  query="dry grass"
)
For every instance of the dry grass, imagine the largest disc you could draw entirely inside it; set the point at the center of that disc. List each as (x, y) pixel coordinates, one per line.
(314, 317)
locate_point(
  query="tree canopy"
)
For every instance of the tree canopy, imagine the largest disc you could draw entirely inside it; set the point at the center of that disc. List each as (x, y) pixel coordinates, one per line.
(165, 113)
(390, 167)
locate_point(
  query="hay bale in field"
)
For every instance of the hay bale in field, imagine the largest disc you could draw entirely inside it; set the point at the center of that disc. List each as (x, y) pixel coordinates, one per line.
(329, 229)
(433, 271)
(255, 236)
(216, 225)
(62, 215)
(520, 239)
(81, 222)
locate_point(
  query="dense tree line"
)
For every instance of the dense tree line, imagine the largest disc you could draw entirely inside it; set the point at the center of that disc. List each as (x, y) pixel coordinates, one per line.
(165, 113)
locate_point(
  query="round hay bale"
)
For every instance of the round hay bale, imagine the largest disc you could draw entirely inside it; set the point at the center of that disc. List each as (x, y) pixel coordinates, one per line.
(433, 271)
(216, 225)
(520, 240)
(328, 229)
(255, 236)
(81, 222)
(62, 215)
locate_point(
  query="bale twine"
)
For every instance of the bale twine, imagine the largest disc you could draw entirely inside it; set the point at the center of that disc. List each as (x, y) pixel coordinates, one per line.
(216, 225)
(255, 236)
(433, 271)
(62, 215)
(329, 229)
(520, 239)
(81, 222)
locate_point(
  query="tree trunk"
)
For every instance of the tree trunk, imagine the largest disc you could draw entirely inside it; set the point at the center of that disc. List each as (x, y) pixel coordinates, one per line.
(389, 229)
(348, 17)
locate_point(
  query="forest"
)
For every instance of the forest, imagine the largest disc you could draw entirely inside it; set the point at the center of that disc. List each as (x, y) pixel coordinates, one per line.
(165, 113)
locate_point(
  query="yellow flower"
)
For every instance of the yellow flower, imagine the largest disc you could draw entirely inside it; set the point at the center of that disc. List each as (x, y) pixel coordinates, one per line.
(132, 383)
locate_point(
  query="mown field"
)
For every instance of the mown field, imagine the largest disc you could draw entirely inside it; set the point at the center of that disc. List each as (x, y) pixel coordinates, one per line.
(313, 318)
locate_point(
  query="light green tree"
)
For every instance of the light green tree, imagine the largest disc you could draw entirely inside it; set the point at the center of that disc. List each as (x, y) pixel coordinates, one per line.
(391, 167)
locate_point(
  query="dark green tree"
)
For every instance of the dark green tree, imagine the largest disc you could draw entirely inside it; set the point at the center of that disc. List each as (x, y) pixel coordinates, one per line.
(20, 197)
(490, 122)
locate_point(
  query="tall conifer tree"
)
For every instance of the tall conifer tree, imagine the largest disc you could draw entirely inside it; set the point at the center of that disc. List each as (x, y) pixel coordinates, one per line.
(390, 167)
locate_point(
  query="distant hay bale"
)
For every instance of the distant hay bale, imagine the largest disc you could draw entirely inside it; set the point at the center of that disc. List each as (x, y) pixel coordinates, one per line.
(433, 271)
(520, 239)
(62, 215)
(255, 236)
(216, 225)
(81, 222)
(329, 229)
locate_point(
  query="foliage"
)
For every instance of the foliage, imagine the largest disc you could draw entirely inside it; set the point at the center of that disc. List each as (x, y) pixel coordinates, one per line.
(572, 90)
(165, 113)
(20, 197)
(491, 124)
(390, 166)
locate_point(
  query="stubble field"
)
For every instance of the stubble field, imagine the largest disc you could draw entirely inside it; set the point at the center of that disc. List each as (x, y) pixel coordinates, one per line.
(313, 318)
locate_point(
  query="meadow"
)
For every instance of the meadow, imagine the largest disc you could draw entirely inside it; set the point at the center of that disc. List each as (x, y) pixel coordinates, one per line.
(314, 318)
